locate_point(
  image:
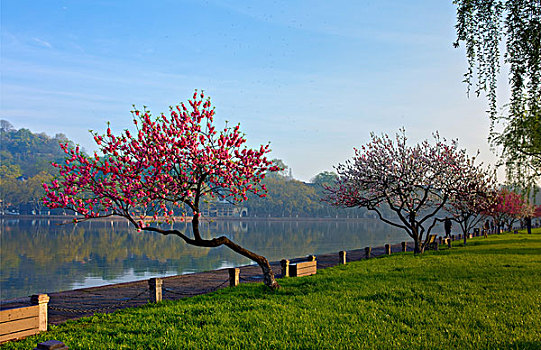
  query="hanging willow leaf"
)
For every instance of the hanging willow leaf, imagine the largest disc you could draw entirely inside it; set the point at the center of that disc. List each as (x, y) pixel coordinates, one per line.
(481, 26)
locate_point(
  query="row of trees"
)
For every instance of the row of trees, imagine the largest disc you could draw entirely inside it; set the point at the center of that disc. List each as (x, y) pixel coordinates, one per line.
(421, 184)
(508, 207)
(173, 163)
(181, 160)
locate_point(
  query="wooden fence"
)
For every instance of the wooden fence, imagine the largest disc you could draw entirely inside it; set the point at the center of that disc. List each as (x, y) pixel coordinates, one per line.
(25, 321)
(22, 322)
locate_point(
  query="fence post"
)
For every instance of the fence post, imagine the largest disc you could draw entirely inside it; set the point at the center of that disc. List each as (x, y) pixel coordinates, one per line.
(388, 249)
(404, 246)
(285, 267)
(155, 289)
(342, 257)
(234, 276)
(367, 252)
(42, 300)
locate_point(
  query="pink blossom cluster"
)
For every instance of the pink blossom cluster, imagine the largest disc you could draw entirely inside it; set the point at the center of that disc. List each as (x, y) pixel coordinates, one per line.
(509, 207)
(537, 212)
(389, 171)
(474, 194)
(405, 185)
(168, 162)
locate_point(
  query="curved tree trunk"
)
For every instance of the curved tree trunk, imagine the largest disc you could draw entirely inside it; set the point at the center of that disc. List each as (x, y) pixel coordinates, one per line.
(268, 275)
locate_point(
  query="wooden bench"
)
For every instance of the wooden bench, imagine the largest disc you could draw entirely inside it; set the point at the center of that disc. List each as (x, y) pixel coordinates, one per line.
(304, 268)
(25, 321)
(432, 243)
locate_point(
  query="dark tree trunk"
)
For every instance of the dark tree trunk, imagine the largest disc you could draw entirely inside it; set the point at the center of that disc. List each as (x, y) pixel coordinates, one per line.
(268, 275)
(415, 234)
(418, 247)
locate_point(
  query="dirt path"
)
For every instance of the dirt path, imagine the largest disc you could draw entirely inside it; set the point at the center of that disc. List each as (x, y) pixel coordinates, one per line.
(78, 303)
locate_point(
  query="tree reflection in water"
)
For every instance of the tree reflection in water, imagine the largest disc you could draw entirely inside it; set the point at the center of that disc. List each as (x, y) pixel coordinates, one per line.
(42, 256)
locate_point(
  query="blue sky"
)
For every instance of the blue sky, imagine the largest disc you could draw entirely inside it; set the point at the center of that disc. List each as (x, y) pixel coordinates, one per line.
(312, 77)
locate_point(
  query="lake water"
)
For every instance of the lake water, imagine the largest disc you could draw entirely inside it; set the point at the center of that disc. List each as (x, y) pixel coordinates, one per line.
(41, 256)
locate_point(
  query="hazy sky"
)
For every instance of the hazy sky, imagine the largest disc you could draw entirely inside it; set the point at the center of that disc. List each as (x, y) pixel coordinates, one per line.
(312, 77)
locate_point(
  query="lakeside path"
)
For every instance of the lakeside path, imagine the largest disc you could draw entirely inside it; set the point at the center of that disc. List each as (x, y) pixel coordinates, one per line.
(83, 302)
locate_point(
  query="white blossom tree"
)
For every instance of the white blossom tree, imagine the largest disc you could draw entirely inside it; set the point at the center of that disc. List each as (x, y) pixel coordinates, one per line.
(415, 183)
(474, 193)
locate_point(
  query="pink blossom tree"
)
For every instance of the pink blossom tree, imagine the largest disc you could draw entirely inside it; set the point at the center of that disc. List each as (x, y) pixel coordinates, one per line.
(168, 164)
(506, 209)
(415, 182)
(537, 212)
(474, 193)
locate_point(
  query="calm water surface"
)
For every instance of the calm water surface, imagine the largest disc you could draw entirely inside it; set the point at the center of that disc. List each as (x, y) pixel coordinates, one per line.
(41, 256)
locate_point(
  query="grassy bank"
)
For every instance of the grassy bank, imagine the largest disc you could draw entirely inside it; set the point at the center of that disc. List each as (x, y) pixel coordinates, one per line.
(534, 230)
(483, 296)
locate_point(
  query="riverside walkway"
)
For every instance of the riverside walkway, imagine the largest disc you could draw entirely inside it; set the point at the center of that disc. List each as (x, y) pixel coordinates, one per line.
(83, 302)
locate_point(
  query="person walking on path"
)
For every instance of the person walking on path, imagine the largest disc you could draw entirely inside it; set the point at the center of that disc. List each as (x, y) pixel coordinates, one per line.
(447, 224)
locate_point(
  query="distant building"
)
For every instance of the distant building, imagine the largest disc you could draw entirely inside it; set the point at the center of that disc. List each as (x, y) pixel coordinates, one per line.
(223, 209)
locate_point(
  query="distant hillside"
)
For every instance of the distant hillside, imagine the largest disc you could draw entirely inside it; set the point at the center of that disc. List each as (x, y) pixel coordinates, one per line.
(287, 197)
(25, 163)
(29, 152)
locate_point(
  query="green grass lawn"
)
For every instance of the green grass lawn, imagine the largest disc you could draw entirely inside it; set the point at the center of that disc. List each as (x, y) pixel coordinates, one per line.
(483, 296)
(534, 230)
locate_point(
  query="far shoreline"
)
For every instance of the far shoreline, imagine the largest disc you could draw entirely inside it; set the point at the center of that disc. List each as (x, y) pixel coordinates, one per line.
(187, 219)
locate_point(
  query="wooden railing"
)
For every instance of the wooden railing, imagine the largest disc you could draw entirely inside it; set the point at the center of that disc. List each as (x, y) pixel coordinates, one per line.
(300, 268)
(25, 321)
